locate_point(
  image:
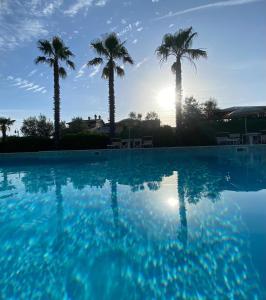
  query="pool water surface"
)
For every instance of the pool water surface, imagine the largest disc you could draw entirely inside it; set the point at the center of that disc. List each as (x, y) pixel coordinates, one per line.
(144, 224)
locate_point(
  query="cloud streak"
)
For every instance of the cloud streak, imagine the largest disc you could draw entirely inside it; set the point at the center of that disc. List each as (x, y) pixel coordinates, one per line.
(26, 85)
(219, 4)
(83, 5)
(139, 64)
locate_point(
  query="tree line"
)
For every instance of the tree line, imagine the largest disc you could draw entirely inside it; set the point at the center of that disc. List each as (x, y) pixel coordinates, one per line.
(193, 113)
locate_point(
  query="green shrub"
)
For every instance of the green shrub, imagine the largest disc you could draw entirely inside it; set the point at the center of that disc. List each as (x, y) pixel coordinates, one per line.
(68, 142)
(83, 141)
(26, 144)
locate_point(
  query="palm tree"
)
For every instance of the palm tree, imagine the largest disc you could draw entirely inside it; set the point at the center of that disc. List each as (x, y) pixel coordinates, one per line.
(179, 45)
(55, 52)
(110, 50)
(5, 124)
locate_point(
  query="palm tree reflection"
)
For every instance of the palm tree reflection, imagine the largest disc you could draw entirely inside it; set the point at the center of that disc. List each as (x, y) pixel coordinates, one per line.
(119, 228)
(114, 203)
(58, 246)
(183, 231)
(6, 185)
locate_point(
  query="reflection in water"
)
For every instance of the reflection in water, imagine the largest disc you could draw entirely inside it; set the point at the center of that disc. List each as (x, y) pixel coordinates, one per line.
(59, 241)
(114, 204)
(64, 235)
(182, 211)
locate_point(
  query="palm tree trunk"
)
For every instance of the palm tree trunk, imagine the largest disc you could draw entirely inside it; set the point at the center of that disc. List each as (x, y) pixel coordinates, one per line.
(3, 133)
(56, 105)
(178, 95)
(112, 102)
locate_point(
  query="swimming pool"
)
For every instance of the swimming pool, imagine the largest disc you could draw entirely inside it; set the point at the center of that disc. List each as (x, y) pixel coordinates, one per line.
(141, 224)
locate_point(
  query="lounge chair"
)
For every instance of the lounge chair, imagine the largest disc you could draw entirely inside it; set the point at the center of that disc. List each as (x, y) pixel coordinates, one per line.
(115, 144)
(222, 140)
(126, 143)
(234, 138)
(147, 142)
(137, 143)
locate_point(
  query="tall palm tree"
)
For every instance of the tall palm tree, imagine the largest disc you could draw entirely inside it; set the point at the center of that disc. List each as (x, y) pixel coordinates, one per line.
(110, 50)
(179, 45)
(55, 52)
(5, 124)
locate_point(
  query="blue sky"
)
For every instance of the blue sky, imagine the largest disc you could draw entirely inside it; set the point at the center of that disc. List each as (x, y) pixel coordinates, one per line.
(232, 31)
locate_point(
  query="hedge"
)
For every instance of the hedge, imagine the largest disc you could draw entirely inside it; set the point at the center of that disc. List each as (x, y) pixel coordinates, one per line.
(68, 142)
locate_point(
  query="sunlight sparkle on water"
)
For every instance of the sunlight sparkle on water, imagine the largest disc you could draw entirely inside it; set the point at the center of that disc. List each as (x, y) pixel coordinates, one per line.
(172, 202)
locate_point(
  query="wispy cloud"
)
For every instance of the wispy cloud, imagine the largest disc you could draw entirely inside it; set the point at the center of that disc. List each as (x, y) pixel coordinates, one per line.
(83, 68)
(16, 33)
(25, 84)
(95, 71)
(20, 21)
(140, 63)
(131, 27)
(32, 72)
(81, 71)
(83, 5)
(209, 6)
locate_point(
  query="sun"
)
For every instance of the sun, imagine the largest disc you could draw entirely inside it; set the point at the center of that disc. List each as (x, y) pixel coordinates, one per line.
(166, 98)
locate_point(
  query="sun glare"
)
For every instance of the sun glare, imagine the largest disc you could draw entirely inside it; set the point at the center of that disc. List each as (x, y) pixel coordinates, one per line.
(166, 98)
(172, 202)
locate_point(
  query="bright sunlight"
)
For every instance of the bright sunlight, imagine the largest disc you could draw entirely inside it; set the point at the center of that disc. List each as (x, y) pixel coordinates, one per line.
(166, 98)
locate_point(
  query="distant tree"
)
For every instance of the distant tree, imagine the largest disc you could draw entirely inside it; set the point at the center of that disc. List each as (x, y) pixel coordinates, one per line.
(152, 116)
(192, 112)
(5, 125)
(132, 115)
(179, 45)
(40, 126)
(29, 127)
(54, 53)
(210, 108)
(63, 125)
(77, 125)
(139, 117)
(110, 50)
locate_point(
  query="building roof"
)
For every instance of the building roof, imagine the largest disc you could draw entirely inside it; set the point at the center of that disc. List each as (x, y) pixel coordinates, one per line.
(233, 108)
(243, 111)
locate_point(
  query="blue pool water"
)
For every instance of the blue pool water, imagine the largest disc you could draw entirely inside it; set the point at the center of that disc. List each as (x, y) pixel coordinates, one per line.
(144, 224)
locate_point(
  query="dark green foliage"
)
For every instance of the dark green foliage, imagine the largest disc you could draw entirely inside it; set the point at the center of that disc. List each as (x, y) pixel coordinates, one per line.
(40, 127)
(192, 113)
(132, 115)
(68, 142)
(162, 136)
(26, 144)
(5, 124)
(196, 130)
(202, 134)
(210, 109)
(84, 141)
(152, 115)
(238, 125)
(77, 125)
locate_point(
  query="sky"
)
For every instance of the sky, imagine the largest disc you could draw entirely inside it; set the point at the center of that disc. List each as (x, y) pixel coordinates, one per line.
(233, 32)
